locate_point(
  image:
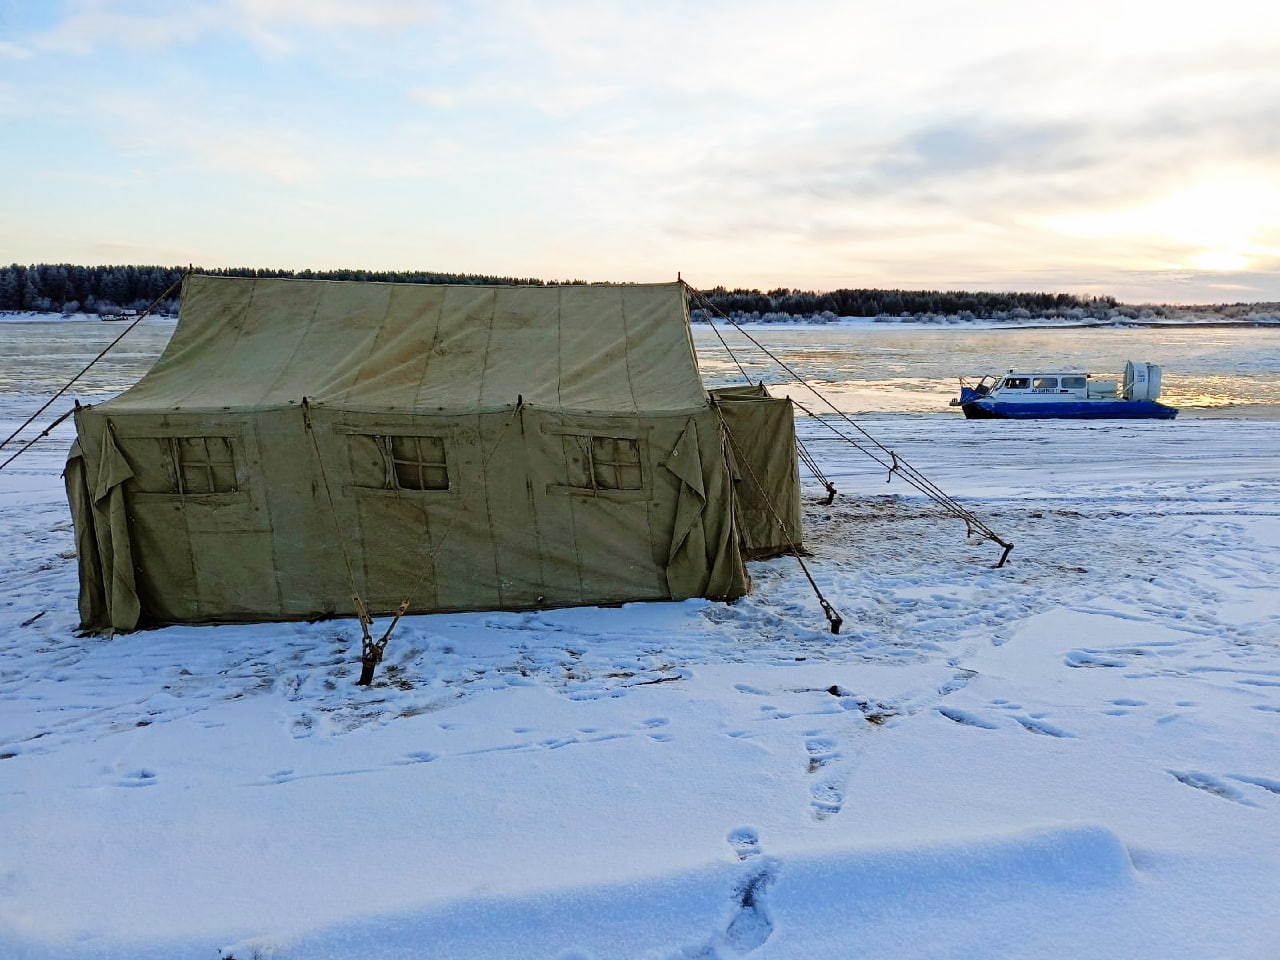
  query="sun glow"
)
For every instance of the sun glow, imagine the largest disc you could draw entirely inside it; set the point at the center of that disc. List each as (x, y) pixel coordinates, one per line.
(1221, 261)
(1217, 226)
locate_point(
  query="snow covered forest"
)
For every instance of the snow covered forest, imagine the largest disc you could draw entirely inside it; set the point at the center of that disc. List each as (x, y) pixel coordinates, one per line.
(114, 290)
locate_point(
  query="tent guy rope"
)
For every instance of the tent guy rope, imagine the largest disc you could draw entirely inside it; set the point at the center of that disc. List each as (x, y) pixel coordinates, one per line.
(801, 449)
(896, 465)
(877, 451)
(36, 439)
(833, 617)
(67, 386)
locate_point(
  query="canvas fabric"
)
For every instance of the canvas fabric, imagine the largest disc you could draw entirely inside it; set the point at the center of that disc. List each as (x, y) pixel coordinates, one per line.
(259, 344)
(461, 448)
(761, 435)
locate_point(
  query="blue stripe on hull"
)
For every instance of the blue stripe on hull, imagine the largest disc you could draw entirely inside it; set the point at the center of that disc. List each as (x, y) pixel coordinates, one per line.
(1074, 410)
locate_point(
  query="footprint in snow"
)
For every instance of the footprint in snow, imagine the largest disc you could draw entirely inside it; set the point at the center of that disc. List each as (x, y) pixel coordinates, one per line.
(1087, 658)
(745, 842)
(826, 799)
(1123, 706)
(957, 682)
(1036, 725)
(1271, 786)
(826, 795)
(750, 924)
(654, 725)
(821, 752)
(1211, 785)
(302, 725)
(555, 743)
(965, 718)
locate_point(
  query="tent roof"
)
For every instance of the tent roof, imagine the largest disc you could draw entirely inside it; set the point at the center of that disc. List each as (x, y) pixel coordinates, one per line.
(244, 343)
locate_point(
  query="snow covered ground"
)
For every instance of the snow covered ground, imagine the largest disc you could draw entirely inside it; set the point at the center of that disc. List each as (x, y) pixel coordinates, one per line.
(1077, 755)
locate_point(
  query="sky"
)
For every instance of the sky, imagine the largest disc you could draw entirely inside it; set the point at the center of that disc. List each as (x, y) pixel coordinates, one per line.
(1121, 147)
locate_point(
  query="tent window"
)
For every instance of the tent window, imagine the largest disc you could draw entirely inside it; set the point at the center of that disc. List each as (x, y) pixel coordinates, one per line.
(603, 463)
(201, 465)
(418, 463)
(382, 462)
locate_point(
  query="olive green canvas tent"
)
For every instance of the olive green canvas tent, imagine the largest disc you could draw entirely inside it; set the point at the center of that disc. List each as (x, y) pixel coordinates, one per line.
(303, 443)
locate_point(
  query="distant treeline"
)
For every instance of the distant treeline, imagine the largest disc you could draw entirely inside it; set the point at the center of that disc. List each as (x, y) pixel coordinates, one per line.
(66, 288)
(894, 303)
(107, 290)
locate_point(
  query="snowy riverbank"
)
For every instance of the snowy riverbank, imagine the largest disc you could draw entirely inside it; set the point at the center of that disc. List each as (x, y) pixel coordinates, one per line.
(1072, 756)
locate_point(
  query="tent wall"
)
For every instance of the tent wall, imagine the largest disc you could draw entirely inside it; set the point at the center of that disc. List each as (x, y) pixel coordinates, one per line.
(762, 439)
(464, 447)
(250, 515)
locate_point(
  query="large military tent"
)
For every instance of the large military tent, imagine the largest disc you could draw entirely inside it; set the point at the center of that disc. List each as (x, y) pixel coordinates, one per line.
(303, 443)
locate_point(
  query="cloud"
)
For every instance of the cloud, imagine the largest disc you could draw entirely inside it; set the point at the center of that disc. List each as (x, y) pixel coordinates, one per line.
(11, 102)
(806, 141)
(1010, 173)
(211, 142)
(92, 24)
(280, 26)
(12, 51)
(336, 14)
(262, 153)
(271, 25)
(435, 99)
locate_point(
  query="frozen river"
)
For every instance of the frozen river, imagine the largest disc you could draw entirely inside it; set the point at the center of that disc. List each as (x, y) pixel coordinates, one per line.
(867, 369)
(1072, 755)
(899, 368)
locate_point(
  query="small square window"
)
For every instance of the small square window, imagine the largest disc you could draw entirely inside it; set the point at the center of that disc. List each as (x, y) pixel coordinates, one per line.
(382, 462)
(615, 463)
(418, 463)
(603, 463)
(201, 465)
